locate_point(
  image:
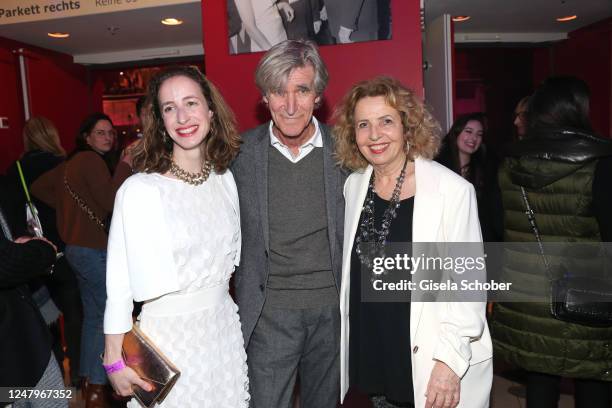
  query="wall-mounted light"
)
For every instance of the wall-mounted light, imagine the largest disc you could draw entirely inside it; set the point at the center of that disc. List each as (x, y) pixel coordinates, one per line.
(458, 19)
(58, 35)
(566, 18)
(171, 21)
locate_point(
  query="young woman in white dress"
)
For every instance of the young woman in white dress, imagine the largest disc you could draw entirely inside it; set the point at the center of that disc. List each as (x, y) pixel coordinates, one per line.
(174, 243)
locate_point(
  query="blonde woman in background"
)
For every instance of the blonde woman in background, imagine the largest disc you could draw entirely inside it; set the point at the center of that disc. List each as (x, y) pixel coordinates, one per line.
(43, 152)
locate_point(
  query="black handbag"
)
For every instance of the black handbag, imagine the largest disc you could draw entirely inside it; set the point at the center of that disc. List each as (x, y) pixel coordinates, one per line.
(580, 300)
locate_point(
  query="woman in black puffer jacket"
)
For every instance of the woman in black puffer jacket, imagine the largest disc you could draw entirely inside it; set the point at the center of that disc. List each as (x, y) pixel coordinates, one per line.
(565, 170)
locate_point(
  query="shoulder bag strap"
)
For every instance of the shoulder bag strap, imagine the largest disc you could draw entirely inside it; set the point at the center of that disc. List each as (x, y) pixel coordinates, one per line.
(82, 204)
(532, 221)
(25, 188)
(23, 183)
(37, 225)
(531, 217)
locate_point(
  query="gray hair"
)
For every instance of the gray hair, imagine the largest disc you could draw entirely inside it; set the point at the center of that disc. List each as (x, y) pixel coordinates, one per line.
(273, 69)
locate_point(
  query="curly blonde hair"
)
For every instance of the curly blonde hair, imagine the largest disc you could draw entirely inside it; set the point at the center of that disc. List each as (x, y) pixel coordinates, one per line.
(154, 152)
(421, 129)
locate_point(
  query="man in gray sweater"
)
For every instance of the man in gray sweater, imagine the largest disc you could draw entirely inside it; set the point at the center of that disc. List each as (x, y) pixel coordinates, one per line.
(292, 215)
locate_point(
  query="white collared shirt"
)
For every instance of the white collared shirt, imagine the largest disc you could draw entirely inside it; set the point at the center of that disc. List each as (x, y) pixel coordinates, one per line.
(315, 141)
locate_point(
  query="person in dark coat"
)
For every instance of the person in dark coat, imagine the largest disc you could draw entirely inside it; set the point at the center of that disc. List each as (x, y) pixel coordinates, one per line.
(43, 152)
(25, 342)
(565, 171)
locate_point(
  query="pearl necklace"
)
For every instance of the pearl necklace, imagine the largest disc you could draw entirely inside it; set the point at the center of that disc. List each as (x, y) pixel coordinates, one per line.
(373, 238)
(191, 178)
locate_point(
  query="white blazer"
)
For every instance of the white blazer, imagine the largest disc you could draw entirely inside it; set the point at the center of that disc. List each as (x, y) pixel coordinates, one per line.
(456, 333)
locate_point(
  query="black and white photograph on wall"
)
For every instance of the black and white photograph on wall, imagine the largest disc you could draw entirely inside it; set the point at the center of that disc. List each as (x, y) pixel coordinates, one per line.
(257, 25)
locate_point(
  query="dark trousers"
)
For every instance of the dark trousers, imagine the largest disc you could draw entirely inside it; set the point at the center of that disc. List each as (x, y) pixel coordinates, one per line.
(543, 391)
(380, 401)
(286, 342)
(64, 290)
(301, 27)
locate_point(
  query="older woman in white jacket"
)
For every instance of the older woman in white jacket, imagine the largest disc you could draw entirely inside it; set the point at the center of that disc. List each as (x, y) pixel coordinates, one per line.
(422, 354)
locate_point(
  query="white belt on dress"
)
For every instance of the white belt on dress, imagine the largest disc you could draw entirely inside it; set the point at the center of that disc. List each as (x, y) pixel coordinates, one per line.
(175, 304)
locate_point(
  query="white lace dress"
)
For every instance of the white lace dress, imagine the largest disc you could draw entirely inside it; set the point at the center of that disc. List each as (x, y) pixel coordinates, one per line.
(203, 226)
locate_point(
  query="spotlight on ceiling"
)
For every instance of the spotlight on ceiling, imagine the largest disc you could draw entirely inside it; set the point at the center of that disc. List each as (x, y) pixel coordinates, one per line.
(458, 19)
(58, 35)
(566, 18)
(171, 21)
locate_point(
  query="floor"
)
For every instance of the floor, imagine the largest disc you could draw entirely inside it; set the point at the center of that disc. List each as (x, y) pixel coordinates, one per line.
(510, 394)
(506, 394)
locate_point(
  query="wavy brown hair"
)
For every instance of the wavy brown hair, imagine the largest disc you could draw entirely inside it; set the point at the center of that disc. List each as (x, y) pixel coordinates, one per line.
(420, 127)
(449, 154)
(39, 133)
(154, 153)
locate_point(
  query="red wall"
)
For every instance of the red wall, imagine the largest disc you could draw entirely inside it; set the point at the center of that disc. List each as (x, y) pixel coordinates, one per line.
(10, 107)
(587, 54)
(347, 64)
(509, 73)
(506, 75)
(58, 90)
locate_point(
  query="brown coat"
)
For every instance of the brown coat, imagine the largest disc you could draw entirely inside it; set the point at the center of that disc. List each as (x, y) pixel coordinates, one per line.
(88, 176)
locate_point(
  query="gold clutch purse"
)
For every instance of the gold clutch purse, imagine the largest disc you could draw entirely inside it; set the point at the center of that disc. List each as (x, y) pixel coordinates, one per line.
(142, 356)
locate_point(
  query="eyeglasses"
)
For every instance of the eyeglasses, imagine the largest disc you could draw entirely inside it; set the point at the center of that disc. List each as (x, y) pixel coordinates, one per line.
(100, 132)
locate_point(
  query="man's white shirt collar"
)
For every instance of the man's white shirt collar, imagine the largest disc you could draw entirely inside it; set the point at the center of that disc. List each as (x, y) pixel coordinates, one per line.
(315, 141)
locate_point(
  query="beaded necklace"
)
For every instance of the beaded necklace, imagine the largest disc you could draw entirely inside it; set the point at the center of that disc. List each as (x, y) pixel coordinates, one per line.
(373, 238)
